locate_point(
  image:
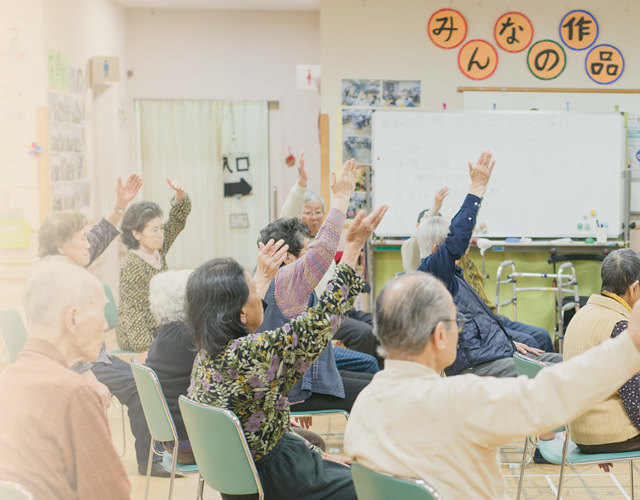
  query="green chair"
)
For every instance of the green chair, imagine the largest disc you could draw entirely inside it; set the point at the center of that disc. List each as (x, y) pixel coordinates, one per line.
(13, 333)
(159, 421)
(111, 309)
(372, 485)
(14, 491)
(311, 413)
(220, 449)
(566, 452)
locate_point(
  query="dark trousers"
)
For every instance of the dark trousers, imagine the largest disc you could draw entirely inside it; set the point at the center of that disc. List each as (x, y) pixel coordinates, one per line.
(632, 444)
(353, 382)
(119, 379)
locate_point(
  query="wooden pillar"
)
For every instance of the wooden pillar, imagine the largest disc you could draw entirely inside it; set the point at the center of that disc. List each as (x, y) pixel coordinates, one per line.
(325, 166)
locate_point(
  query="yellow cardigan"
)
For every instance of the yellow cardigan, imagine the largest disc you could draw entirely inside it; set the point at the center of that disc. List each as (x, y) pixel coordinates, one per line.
(606, 422)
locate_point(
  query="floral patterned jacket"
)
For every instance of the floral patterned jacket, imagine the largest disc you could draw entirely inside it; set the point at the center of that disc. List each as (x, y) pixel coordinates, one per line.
(254, 373)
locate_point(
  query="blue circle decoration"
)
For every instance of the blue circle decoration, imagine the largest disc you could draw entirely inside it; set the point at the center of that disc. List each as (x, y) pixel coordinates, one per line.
(573, 12)
(586, 68)
(638, 155)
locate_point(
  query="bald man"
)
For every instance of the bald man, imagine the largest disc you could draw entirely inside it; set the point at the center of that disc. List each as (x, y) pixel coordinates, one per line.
(463, 420)
(53, 427)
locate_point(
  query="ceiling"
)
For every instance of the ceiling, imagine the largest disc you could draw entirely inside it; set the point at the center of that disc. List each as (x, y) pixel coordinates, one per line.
(311, 5)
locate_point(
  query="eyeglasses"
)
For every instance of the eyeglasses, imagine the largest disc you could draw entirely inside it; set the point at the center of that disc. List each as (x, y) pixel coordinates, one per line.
(459, 321)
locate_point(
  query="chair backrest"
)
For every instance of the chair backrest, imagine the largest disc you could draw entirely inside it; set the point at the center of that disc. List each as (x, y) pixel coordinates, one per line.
(154, 405)
(527, 366)
(13, 333)
(371, 485)
(13, 491)
(220, 448)
(111, 309)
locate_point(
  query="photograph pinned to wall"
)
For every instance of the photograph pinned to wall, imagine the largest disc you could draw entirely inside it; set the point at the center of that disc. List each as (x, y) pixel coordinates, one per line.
(71, 195)
(360, 197)
(363, 93)
(401, 93)
(358, 148)
(356, 122)
(70, 183)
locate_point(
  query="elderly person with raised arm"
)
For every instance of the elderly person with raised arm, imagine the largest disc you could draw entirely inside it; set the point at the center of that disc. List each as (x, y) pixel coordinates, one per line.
(67, 233)
(464, 420)
(485, 346)
(356, 330)
(252, 373)
(148, 240)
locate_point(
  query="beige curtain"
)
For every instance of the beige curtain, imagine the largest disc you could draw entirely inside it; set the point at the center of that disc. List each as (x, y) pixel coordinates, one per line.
(185, 141)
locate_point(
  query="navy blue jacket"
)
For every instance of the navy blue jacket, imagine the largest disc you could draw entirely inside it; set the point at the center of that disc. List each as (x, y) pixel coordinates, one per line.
(483, 338)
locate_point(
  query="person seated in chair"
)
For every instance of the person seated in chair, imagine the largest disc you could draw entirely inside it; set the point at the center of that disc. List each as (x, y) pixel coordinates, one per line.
(485, 346)
(54, 430)
(463, 420)
(613, 425)
(68, 234)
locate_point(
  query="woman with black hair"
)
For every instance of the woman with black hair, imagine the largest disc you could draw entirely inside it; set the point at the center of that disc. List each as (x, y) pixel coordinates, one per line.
(251, 373)
(148, 240)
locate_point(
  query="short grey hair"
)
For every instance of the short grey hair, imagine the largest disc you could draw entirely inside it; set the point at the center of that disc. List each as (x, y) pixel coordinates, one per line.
(620, 269)
(408, 308)
(55, 284)
(311, 196)
(431, 231)
(166, 296)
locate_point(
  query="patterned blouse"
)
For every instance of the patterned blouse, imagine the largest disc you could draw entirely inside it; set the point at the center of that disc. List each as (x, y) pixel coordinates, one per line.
(630, 391)
(135, 322)
(254, 373)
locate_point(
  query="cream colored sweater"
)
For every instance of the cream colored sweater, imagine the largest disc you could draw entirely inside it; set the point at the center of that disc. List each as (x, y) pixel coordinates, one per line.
(606, 422)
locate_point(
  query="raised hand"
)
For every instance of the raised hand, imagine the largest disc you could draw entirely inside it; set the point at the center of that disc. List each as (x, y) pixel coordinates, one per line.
(439, 198)
(481, 173)
(127, 190)
(343, 186)
(270, 258)
(178, 188)
(303, 177)
(359, 231)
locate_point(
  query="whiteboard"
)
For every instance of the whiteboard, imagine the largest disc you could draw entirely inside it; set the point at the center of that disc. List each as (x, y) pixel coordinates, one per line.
(552, 169)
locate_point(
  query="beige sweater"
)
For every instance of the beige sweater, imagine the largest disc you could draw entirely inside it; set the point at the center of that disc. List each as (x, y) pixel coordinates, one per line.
(411, 422)
(606, 422)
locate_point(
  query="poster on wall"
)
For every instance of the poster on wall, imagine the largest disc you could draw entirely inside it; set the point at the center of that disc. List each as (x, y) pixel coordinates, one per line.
(70, 182)
(361, 93)
(237, 175)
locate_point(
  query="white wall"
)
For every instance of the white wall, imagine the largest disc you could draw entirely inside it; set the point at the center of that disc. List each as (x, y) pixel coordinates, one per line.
(82, 29)
(382, 39)
(233, 55)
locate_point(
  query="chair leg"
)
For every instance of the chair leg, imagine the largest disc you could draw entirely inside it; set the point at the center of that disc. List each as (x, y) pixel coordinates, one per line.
(149, 465)
(564, 460)
(200, 491)
(174, 462)
(522, 466)
(631, 471)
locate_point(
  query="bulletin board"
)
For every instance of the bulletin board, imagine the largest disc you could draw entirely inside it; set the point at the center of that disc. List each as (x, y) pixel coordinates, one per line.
(553, 169)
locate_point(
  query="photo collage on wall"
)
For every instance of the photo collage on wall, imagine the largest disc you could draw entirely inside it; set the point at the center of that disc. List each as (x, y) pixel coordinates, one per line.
(360, 99)
(70, 183)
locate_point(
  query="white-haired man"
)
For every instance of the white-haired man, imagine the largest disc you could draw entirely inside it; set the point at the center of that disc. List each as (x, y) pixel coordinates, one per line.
(485, 346)
(463, 420)
(55, 435)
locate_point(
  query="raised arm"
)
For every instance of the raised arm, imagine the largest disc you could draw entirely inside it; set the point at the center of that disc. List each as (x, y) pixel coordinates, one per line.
(295, 282)
(125, 192)
(178, 213)
(308, 335)
(270, 258)
(557, 394)
(294, 204)
(442, 261)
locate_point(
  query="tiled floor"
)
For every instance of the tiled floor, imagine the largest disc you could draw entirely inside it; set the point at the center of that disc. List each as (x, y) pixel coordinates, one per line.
(540, 482)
